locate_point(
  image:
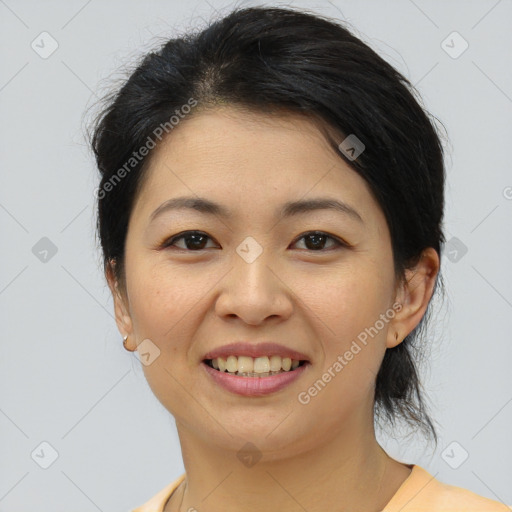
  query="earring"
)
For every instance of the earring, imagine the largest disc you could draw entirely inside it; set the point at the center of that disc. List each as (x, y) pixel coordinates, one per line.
(124, 343)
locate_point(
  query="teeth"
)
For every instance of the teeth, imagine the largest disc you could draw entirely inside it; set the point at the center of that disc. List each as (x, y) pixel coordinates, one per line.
(257, 365)
(232, 364)
(275, 363)
(262, 365)
(245, 364)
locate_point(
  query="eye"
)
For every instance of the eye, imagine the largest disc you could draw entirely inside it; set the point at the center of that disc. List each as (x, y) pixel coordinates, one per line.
(194, 240)
(315, 240)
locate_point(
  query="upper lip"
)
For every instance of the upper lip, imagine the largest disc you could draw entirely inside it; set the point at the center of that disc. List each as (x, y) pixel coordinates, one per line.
(244, 348)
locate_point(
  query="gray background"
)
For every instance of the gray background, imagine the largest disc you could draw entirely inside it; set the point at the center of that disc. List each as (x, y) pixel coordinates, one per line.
(65, 377)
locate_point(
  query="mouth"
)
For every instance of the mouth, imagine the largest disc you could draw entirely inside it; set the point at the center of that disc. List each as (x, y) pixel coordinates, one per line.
(255, 367)
(254, 377)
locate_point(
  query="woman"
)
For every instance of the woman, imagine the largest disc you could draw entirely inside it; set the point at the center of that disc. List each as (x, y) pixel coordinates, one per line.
(270, 213)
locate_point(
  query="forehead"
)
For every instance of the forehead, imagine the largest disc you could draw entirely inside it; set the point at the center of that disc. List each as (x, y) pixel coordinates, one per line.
(230, 139)
(249, 160)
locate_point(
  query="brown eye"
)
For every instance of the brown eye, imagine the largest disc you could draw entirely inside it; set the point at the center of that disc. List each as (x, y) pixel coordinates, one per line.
(316, 241)
(194, 240)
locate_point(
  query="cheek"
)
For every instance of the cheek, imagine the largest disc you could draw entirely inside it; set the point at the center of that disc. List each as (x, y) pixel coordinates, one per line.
(161, 297)
(349, 313)
(348, 301)
(165, 303)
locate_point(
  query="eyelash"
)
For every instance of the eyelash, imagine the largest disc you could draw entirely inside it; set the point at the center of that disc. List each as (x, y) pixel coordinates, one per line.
(170, 241)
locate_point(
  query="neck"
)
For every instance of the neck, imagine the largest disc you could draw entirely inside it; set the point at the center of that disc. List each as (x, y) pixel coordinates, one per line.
(349, 471)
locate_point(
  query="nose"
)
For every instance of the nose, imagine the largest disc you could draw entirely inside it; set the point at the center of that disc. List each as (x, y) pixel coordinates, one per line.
(254, 290)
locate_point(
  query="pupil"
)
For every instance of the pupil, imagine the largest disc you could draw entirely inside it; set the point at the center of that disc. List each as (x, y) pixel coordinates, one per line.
(315, 238)
(196, 238)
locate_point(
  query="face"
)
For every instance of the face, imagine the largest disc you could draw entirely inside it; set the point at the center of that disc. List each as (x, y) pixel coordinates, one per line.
(258, 276)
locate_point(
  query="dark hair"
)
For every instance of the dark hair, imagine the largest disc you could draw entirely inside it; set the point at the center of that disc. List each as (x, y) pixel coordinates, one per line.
(275, 60)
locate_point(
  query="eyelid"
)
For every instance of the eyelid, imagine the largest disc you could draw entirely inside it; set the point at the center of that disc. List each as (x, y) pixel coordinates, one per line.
(339, 241)
(183, 234)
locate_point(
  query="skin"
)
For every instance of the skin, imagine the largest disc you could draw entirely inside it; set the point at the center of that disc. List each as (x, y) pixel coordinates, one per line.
(188, 301)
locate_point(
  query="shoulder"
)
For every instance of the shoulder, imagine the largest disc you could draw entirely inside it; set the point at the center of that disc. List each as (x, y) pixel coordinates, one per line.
(451, 498)
(422, 492)
(158, 501)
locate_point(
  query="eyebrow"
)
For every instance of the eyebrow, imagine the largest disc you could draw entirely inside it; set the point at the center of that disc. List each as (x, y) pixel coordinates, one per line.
(289, 209)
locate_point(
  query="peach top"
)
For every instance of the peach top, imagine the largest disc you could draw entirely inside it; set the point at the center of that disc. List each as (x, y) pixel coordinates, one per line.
(420, 492)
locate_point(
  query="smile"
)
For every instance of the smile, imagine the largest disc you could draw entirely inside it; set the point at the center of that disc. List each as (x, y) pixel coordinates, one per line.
(258, 376)
(245, 366)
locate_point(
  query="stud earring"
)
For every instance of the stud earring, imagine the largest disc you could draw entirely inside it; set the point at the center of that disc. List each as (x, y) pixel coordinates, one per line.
(124, 343)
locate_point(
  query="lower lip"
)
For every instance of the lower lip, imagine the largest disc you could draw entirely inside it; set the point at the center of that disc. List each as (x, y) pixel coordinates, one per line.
(254, 386)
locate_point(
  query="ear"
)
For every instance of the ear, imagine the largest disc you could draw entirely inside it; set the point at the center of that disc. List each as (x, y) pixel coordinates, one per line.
(123, 318)
(414, 295)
